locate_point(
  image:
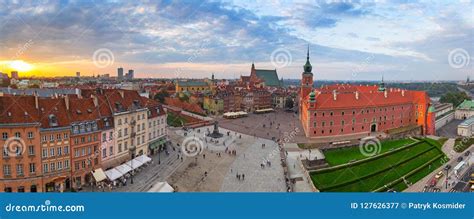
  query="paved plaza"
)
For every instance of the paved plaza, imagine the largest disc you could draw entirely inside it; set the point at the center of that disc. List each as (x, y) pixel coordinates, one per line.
(277, 124)
(214, 169)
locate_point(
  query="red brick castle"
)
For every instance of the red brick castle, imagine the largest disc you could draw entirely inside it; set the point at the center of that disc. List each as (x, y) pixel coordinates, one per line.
(355, 111)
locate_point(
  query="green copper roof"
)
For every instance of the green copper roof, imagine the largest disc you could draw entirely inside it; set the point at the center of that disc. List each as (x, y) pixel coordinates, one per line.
(307, 66)
(270, 77)
(431, 109)
(466, 104)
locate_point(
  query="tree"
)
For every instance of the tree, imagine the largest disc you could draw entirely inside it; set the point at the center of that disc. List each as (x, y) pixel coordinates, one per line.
(455, 98)
(289, 103)
(160, 96)
(183, 97)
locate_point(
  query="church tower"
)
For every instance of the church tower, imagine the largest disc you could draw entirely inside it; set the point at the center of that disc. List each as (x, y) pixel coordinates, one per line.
(307, 79)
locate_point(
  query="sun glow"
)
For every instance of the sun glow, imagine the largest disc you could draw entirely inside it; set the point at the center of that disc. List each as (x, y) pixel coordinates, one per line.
(21, 66)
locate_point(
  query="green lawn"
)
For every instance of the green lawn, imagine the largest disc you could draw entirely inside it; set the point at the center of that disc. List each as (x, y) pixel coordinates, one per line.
(336, 157)
(379, 171)
(421, 173)
(438, 143)
(461, 144)
(385, 177)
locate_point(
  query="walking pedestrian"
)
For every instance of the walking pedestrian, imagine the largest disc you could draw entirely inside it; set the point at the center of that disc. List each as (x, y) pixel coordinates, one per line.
(243, 177)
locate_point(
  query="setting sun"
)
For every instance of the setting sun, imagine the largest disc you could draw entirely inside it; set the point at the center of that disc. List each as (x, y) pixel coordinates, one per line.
(21, 66)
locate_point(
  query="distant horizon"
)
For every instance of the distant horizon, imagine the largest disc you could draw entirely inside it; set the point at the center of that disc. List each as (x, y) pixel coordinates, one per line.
(190, 78)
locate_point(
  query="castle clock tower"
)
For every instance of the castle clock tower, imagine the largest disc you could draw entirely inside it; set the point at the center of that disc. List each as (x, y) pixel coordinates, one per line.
(306, 80)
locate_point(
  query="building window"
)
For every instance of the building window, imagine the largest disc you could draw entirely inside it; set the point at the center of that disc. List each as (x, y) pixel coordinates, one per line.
(111, 136)
(342, 122)
(120, 147)
(52, 167)
(66, 164)
(66, 135)
(19, 169)
(323, 123)
(58, 137)
(7, 170)
(4, 136)
(31, 150)
(60, 150)
(32, 168)
(51, 138)
(44, 154)
(104, 153)
(60, 165)
(30, 135)
(18, 151)
(111, 151)
(51, 152)
(342, 113)
(104, 137)
(331, 113)
(45, 168)
(66, 150)
(17, 134)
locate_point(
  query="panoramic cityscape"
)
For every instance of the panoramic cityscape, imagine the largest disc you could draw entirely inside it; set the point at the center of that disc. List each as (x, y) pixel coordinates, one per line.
(325, 96)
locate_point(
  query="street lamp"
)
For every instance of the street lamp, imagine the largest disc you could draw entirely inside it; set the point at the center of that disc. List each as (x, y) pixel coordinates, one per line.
(447, 170)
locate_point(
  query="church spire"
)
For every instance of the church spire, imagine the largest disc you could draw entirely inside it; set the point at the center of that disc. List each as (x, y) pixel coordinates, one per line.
(382, 85)
(307, 67)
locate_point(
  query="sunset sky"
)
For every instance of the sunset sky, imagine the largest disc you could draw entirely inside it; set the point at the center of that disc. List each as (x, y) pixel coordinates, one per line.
(348, 40)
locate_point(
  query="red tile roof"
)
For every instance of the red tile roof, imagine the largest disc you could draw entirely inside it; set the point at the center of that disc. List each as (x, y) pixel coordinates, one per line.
(369, 96)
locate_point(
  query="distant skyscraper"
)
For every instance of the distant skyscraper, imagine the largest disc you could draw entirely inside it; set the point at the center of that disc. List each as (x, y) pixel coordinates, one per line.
(120, 73)
(14, 75)
(78, 74)
(130, 74)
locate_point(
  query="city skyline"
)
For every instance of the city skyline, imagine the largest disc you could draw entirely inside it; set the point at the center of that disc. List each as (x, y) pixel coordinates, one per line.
(411, 41)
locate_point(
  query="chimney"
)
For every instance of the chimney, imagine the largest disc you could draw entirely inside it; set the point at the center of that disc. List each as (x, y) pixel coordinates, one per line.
(385, 93)
(36, 100)
(357, 95)
(66, 101)
(334, 94)
(95, 100)
(403, 93)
